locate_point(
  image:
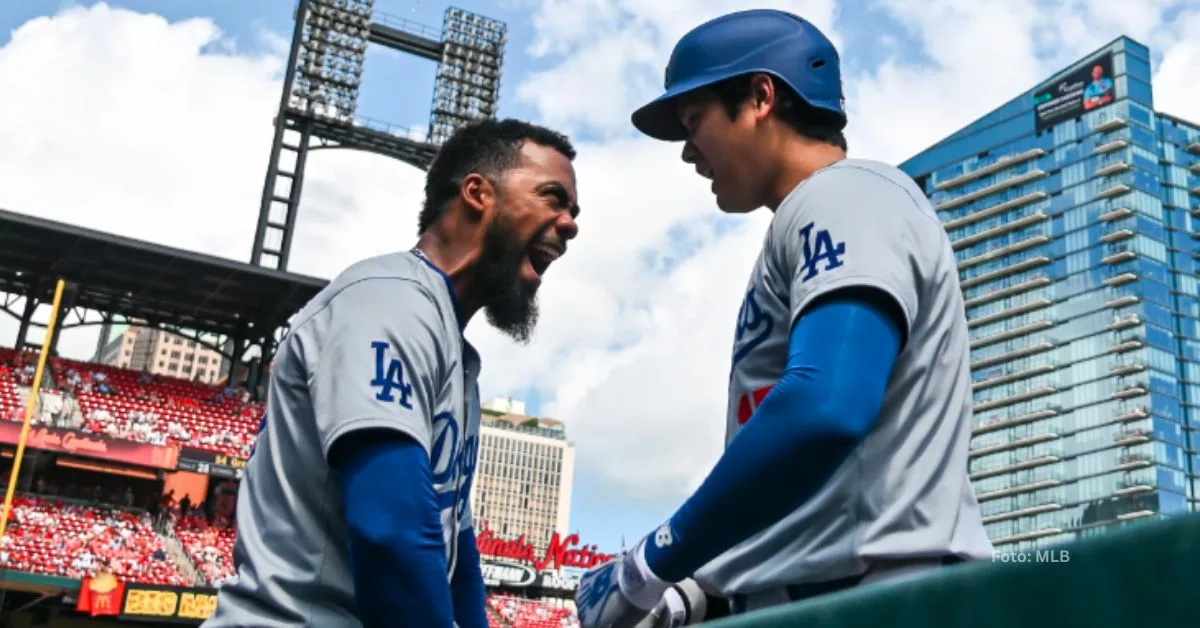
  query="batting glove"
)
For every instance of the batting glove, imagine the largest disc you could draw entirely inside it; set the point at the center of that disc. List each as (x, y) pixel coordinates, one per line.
(619, 593)
(684, 604)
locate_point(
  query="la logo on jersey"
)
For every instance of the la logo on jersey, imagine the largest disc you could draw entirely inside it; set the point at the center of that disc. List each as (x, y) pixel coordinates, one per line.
(389, 380)
(819, 247)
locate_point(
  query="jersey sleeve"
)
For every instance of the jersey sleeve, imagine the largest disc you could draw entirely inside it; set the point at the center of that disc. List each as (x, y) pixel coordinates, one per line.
(380, 360)
(850, 227)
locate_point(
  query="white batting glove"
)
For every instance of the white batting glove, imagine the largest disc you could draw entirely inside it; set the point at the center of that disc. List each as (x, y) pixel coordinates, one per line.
(619, 593)
(684, 604)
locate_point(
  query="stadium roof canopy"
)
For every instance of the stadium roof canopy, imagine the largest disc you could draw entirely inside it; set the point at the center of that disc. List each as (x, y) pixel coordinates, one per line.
(141, 280)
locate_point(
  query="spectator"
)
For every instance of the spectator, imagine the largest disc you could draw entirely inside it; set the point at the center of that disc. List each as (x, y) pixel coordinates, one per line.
(73, 541)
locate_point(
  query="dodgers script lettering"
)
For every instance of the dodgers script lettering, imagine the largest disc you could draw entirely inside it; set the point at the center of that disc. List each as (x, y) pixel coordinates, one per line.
(751, 320)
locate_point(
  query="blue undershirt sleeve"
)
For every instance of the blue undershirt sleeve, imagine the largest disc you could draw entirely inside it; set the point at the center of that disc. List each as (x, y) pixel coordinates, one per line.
(397, 553)
(841, 354)
(470, 596)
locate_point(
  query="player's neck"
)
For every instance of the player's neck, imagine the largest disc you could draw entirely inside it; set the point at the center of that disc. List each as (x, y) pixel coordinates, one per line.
(457, 258)
(799, 162)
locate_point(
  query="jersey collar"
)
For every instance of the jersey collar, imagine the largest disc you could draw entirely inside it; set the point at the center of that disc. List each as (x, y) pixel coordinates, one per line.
(462, 324)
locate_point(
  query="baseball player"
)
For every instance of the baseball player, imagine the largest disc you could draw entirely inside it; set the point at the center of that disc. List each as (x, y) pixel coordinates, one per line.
(354, 509)
(849, 410)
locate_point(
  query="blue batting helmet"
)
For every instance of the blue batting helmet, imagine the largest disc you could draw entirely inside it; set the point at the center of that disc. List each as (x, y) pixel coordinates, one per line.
(786, 46)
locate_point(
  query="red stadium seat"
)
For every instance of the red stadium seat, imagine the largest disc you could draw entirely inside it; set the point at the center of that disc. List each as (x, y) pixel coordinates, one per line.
(11, 406)
(515, 612)
(160, 410)
(72, 540)
(129, 405)
(210, 548)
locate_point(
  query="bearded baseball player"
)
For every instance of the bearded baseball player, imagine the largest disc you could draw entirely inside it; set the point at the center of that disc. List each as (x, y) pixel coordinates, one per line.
(354, 509)
(849, 411)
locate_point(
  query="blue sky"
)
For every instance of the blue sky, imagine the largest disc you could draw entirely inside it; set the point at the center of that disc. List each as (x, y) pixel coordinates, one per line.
(633, 346)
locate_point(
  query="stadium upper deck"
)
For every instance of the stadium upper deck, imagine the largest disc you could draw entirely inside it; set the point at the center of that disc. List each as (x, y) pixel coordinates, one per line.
(123, 279)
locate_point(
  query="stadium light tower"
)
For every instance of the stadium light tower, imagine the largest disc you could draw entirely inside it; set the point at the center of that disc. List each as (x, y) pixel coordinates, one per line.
(468, 79)
(320, 98)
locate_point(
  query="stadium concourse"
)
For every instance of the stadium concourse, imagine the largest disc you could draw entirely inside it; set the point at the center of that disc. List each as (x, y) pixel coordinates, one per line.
(124, 508)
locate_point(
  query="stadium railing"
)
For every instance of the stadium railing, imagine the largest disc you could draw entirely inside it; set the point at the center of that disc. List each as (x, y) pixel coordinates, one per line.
(1141, 575)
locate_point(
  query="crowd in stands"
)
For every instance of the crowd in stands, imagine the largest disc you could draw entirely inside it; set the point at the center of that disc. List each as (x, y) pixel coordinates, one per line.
(57, 537)
(21, 366)
(10, 399)
(16, 369)
(161, 410)
(206, 536)
(507, 611)
(140, 407)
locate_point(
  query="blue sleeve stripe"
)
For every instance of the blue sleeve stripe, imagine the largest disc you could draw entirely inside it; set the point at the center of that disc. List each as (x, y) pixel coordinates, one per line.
(841, 355)
(397, 552)
(470, 595)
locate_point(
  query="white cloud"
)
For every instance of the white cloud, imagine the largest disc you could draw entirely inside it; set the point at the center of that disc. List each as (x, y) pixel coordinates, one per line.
(1175, 88)
(132, 124)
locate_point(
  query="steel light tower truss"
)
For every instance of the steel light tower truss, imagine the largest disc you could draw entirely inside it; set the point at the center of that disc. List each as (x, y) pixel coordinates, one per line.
(468, 78)
(320, 98)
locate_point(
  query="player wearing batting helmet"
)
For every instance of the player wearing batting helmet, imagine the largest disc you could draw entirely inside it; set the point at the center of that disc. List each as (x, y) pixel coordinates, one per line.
(355, 507)
(849, 410)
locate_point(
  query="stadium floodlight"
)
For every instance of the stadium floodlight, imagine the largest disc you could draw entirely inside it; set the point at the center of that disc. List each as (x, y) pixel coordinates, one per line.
(467, 84)
(330, 62)
(320, 95)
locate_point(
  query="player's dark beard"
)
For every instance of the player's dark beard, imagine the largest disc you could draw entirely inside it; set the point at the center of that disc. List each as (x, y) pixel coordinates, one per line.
(510, 301)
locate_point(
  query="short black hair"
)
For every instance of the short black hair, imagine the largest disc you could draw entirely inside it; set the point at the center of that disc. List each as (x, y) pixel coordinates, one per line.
(488, 147)
(815, 123)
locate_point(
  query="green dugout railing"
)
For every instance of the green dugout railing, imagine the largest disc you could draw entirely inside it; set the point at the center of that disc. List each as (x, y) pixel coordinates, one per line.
(1146, 575)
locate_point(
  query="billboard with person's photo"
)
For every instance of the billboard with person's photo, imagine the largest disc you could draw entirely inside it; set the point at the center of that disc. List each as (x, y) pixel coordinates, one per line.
(1090, 87)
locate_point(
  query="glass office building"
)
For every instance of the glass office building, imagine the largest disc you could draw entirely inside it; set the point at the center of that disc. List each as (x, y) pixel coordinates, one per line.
(1074, 211)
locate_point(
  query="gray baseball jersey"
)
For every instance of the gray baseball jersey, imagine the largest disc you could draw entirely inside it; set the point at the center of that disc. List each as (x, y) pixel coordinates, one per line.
(904, 492)
(380, 347)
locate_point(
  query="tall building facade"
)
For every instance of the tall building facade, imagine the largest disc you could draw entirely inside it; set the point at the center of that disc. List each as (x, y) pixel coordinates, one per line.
(524, 475)
(162, 353)
(1074, 212)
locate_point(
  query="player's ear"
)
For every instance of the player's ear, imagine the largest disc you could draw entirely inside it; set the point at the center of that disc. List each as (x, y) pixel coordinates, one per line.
(478, 194)
(763, 95)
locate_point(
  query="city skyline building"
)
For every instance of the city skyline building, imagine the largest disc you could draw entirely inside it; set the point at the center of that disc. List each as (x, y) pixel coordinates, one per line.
(524, 476)
(160, 352)
(1073, 212)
